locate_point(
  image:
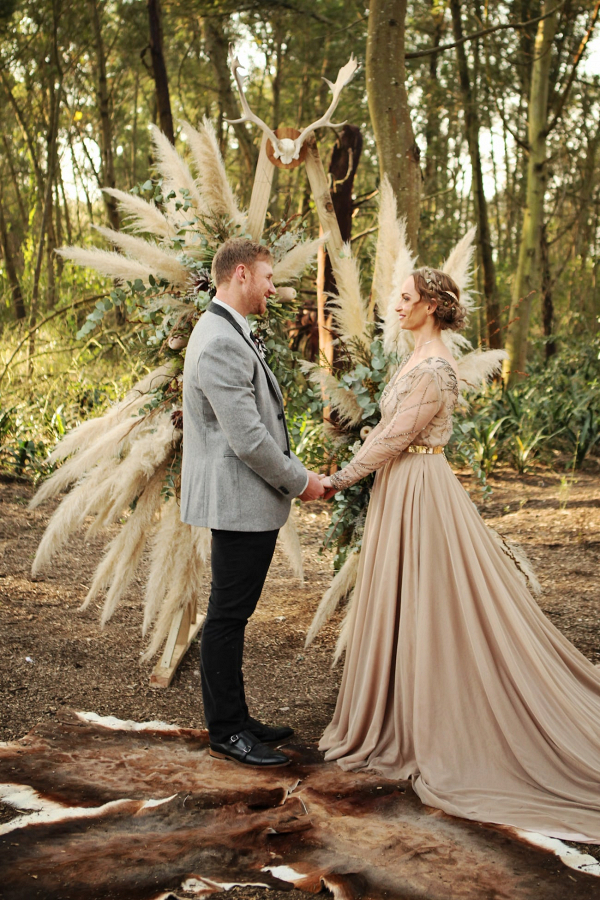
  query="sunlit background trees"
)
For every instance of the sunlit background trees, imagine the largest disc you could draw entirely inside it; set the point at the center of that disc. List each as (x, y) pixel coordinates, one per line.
(480, 113)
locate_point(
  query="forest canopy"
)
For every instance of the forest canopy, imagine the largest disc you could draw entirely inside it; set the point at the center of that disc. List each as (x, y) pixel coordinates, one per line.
(480, 114)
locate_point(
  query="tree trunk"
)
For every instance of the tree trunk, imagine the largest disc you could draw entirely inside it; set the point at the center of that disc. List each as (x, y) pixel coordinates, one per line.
(432, 123)
(216, 46)
(388, 104)
(547, 304)
(46, 214)
(472, 125)
(159, 69)
(527, 277)
(11, 268)
(104, 110)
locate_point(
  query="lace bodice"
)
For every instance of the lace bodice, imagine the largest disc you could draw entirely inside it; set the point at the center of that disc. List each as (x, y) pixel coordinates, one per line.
(416, 408)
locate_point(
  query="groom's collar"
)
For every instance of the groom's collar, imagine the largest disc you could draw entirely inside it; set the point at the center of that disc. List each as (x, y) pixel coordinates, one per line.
(235, 315)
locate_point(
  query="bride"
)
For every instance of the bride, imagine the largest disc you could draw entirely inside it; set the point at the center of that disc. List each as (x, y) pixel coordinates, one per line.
(454, 678)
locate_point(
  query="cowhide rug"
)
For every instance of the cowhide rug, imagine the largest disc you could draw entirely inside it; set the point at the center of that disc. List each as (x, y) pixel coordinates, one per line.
(140, 812)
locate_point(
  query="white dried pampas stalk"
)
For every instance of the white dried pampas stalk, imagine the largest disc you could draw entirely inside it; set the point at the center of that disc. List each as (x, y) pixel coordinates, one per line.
(212, 177)
(476, 368)
(342, 641)
(202, 539)
(175, 172)
(290, 542)
(107, 262)
(390, 237)
(108, 443)
(164, 543)
(349, 310)
(85, 499)
(142, 217)
(395, 340)
(153, 446)
(459, 266)
(339, 588)
(84, 435)
(124, 553)
(162, 263)
(187, 569)
(295, 261)
(166, 539)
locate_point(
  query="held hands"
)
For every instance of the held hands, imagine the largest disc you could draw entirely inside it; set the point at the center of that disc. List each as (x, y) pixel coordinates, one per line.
(319, 487)
(314, 489)
(329, 489)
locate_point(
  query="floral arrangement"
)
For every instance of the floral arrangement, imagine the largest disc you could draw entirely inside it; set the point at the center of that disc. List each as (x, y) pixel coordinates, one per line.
(125, 465)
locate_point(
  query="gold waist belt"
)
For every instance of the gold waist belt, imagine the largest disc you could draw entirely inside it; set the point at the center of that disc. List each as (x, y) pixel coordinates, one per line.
(418, 448)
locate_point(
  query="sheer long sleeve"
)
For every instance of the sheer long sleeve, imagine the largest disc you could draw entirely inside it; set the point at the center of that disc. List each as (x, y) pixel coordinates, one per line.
(415, 410)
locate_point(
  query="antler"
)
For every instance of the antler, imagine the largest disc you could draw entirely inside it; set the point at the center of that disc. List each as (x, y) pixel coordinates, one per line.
(287, 149)
(249, 116)
(345, 76)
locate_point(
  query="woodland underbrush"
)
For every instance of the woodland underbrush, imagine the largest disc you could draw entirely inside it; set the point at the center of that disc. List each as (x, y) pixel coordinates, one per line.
(45, 394)
(550, 417)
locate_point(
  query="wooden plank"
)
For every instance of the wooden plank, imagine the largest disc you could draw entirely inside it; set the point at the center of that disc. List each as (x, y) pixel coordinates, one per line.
(185, 626)
(261, 192)
(319, 185)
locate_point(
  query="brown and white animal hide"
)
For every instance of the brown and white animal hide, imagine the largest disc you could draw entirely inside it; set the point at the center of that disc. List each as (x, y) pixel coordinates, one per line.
(141, 812)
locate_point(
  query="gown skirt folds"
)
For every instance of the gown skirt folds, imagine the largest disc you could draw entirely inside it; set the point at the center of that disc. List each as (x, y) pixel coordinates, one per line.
(454, 678)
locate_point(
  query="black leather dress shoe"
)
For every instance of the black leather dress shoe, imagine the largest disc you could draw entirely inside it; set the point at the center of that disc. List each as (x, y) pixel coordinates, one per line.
(246, 749)
(269, 733)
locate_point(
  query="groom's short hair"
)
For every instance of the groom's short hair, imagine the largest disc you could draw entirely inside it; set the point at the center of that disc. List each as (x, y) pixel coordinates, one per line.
(235, 252)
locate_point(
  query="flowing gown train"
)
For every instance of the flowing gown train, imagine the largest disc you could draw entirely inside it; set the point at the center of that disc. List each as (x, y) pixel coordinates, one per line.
(453, 677)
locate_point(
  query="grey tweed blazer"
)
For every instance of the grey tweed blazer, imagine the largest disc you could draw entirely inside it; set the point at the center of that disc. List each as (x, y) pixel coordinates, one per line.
(238, 471)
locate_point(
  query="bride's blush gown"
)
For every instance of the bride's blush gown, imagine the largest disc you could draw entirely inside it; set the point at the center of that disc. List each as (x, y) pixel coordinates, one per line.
(454, 678)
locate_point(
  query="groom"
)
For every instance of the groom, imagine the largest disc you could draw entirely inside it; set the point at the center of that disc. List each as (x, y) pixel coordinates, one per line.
(238, 479)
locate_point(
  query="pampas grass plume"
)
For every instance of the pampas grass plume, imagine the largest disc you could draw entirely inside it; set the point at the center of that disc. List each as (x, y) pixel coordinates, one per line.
(107, 444)
(174, 170)
(290, 542)
(214, 185)
(124, 553)
(339, 588)
(348, 307)
(106, 262)
(161, 263)
(295, 261)
(143, 217)
(389, 241)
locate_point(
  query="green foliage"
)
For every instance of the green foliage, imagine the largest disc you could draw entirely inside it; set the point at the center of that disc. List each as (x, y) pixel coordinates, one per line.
(552, 414)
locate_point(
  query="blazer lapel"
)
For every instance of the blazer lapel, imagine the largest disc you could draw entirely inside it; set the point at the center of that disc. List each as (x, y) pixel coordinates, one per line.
(221, 311)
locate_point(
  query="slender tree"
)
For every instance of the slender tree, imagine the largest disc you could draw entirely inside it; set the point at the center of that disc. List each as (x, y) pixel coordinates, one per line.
(107, 172)
(397, 149)
(468, 90)
(159, 69)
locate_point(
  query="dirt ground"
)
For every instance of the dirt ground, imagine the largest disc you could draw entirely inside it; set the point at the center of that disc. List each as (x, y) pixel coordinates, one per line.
(54, 656)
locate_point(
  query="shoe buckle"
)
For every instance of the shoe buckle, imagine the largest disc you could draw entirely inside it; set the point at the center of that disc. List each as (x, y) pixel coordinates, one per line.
(234, 738)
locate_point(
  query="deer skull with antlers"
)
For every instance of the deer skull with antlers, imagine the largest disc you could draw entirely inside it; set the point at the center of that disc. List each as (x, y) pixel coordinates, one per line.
(285, 149)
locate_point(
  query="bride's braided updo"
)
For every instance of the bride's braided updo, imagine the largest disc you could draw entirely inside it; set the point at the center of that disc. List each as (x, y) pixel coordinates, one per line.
(432, 284)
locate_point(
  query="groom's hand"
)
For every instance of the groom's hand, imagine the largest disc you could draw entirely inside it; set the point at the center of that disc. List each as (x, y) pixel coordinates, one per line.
(313, 490)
